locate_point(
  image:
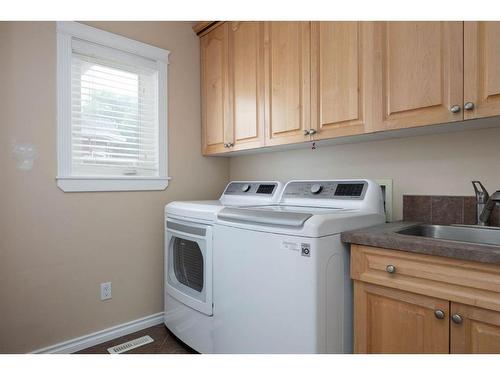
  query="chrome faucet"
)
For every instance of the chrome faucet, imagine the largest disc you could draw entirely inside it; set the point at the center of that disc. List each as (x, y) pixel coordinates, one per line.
(485, 203)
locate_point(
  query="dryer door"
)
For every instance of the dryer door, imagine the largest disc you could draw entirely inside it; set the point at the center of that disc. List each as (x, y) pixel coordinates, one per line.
(188, 268)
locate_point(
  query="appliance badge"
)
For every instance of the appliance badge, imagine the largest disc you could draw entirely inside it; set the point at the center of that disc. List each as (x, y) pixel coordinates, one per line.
(306, 249)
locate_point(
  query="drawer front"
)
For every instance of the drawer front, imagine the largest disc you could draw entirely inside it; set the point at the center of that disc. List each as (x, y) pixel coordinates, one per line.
(461, 281)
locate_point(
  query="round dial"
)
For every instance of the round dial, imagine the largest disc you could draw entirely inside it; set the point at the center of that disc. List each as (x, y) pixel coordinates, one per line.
(245, 188)
(316, 188)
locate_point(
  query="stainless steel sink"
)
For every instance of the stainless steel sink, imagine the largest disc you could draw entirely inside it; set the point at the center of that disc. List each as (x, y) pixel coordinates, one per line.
(462, 233)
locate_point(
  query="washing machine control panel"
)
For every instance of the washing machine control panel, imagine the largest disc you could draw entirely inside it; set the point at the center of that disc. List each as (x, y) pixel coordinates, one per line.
(326, 189)
(251, 188)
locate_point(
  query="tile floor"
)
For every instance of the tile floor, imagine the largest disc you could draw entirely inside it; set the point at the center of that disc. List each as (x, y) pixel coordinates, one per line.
(164, 343)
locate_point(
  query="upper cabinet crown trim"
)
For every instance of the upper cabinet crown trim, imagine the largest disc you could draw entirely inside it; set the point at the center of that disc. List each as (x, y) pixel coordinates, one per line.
(203, 27)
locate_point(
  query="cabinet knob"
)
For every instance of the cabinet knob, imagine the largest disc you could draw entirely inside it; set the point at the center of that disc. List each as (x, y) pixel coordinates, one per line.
(306, 131)
(457, 319)
(390, 268)
(439, 314)
(230, 144)
(455, 108)
(312, 131)
(469, 106)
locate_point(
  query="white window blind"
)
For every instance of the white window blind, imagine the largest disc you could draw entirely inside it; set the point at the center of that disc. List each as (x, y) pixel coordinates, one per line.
(111, 111)
(114, 119)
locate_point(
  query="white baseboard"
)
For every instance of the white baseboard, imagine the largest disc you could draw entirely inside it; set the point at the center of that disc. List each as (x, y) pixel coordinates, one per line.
(83, 342)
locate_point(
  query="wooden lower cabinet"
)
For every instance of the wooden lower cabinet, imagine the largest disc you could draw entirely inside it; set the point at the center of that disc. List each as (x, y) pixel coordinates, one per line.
(475, 330)
(414, 303)
(388, 320)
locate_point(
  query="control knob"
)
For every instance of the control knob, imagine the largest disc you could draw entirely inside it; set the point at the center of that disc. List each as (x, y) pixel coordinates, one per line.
(316, 188)
(245, 188)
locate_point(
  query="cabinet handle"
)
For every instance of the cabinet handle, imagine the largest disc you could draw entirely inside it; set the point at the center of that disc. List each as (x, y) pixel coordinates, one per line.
(312, 131)
(469, 106)
(439, 314)
(457, 319)
(455, 108)
(390, 268)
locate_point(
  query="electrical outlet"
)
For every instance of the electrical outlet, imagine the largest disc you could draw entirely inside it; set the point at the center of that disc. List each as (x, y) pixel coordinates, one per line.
(105, 291)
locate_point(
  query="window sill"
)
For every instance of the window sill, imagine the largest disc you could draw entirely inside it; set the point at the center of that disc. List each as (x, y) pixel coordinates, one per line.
(87, 184)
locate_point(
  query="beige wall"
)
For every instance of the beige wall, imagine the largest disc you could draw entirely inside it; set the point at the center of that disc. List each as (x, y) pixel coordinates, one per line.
(432, 164)
(56, 248)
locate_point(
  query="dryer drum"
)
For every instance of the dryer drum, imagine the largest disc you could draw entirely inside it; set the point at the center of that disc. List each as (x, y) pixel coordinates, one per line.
(188, 263)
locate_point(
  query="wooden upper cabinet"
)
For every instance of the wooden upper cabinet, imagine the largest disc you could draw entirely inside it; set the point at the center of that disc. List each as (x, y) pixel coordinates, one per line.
(342, 65)
(389, 321)
(482, 69)
(287, 81)
(477, 331)
(214, 78)
(246, 86)
(419, 74)
(273, 83)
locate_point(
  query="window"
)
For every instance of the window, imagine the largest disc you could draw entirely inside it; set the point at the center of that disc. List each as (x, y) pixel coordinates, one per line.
(111, 111)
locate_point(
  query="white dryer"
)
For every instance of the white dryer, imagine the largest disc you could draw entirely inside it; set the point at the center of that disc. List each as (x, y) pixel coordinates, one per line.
(281, 281)
(188, 258)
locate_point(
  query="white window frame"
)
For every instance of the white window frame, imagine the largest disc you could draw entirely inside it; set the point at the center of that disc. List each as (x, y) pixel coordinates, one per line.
(66, 32)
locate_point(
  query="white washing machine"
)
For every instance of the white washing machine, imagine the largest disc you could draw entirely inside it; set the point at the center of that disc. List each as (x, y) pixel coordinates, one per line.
(281, 281)
(188, 258)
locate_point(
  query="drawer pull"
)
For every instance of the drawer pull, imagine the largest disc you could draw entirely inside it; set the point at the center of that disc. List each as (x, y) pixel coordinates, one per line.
(439, 314)
(390, 268)
(457, 319)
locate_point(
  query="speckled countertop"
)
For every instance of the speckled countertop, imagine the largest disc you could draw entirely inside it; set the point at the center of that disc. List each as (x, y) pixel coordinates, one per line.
(385, 236)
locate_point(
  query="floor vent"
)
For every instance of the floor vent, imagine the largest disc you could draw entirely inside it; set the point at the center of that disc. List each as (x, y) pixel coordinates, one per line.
(129, 345)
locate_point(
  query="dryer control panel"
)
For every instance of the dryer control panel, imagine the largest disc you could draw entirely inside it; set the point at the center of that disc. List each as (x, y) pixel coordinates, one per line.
(251, 193)
(251, 188)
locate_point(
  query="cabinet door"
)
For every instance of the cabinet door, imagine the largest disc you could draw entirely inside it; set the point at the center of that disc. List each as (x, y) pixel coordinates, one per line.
(392, 321)
(482, 68)
(476, 331)
(419, 74)
(246, 88)
(342, 65)
(214, 80)
(287, 80)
